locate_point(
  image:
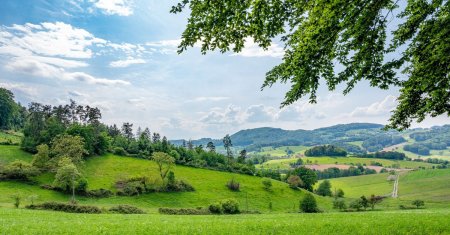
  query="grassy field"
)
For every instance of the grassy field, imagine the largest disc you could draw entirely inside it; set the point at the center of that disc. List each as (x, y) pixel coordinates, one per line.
(10, 136)
(356, 186)
(281, 151)
(10, 153)
(19, 221)
(103, 171)
(428, 185)
(284, 163)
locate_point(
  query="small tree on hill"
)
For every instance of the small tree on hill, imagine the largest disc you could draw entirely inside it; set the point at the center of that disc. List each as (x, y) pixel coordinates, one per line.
(308, 204)
(267, 183)
(294, 181)
(418, 203)
(41, 158)
(339, 193)
(324, 188)
(375, 200)
(164, 161)
(364, 202)
(339, 203)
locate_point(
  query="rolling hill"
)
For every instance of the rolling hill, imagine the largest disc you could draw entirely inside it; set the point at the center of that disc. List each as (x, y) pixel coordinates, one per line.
(210, 186)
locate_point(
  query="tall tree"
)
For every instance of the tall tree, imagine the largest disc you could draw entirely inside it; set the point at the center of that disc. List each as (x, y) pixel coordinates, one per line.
(127, 131)
(339, 41)
(242, 156)
(227, 145)
(210, 146)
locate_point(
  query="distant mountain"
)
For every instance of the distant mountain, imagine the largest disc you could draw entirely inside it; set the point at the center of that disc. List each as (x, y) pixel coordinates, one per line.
(268, 136)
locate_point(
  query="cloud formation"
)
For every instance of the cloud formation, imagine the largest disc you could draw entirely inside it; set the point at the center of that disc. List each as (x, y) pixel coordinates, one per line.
(377, 108)
(127, 62)
(114, 7)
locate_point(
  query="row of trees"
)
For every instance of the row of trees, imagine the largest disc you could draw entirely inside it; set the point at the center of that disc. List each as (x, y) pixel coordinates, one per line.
(325, 150)
(335, 172)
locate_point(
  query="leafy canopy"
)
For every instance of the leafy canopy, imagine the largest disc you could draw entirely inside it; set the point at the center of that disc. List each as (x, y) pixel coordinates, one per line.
(339, 41)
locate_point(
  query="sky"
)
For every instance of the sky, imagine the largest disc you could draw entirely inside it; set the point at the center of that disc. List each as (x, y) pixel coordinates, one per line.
(120, 56)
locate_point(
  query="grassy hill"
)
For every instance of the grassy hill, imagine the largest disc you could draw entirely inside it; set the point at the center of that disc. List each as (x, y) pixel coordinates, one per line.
(9, 153)
(401, 222)
(104, 171)
(432, 186)
(284, 163)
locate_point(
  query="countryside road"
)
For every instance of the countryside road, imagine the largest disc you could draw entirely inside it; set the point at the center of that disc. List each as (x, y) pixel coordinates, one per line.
(395, 190)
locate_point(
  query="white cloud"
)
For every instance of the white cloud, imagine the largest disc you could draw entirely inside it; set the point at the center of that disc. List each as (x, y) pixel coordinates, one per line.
(39, 69)
(231, 115)
(376, 109)
(251, 49)
(115, 7)
(53, 50)
(260, 113)
(19, 87)
(125, 63)
(209, 98)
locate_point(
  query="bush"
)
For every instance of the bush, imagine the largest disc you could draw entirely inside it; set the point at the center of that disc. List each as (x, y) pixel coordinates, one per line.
(183, 211)
(339, 204)
(71, 208)
(294, 181)
(267, 184)
(119, 151)
(418, 203)
(131, 187)
(324, 188)
(233, 185)
(230, 206)
(19, 170)
(339, 193)
(126, 209)
(215, 208)
(174, 185)
(356, 204)
(99, 193)
(309, 204)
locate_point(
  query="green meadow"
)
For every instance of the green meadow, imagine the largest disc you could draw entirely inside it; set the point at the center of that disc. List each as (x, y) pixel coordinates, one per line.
(18, 221)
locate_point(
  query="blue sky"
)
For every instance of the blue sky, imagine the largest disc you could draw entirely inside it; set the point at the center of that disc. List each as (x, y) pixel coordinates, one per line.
(120, 55)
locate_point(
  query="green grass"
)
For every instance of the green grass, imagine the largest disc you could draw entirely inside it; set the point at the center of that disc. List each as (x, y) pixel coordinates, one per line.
(10, 136)
(281, 151)
(9, 153)
(284, 163)
(428, 185)
(19, 221)
(356, 186)
(103, 171)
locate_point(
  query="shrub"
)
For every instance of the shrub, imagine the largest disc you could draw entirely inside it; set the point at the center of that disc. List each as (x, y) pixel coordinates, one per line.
(99, 193)
(356, 204)
(17, 199)
(71, 208)
(119, 151)
(324, 188)
(267, 184)
(215, 208)
(183, 211)
(308, 204)
(418, 203)
(233, 185)
(174, 185)
(339, 193)
(18, 170)
(294, 181)
(339, 204)
(131, 187)
(230, 206)
(126, 209)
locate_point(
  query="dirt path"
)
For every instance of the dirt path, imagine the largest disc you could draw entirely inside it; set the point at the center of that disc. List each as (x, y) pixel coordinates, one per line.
(395, 190)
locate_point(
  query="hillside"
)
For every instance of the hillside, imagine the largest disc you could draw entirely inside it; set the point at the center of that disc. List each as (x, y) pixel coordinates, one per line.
(104, 171)
(355, 138)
